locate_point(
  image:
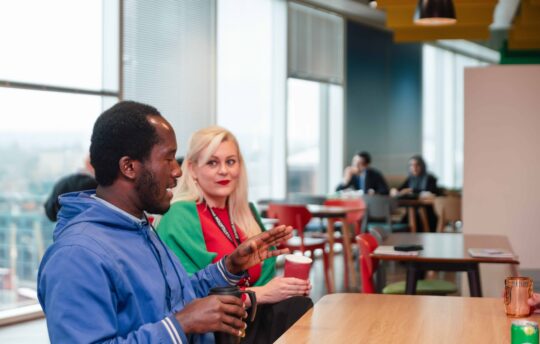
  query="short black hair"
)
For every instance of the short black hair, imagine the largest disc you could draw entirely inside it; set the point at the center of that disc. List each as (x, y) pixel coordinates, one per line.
(122, 130)
(365, 156)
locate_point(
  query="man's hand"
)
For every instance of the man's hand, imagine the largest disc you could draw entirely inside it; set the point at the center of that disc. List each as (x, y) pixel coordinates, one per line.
(221, 313)
(348, 173)
(256, 249)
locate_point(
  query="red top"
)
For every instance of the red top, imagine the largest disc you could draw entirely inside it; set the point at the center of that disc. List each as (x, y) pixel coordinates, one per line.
(217, 242)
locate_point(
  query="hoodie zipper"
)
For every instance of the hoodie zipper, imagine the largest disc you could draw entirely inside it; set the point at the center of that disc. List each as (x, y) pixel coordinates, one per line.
(157, 255)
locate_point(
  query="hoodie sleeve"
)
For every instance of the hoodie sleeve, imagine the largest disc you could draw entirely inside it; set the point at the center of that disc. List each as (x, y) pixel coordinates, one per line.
(77, 294)
(214, 275)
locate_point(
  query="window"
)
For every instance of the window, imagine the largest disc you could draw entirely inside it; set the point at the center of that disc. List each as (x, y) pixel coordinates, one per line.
(442, 122)
(60, 73)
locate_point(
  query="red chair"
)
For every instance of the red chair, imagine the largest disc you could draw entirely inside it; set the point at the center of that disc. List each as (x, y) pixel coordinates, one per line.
(353, 219)
(367, 244)
(298, 217)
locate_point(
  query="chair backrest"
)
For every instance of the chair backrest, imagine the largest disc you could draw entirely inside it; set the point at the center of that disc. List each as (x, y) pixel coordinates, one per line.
(379, 233)
(367, 243)
(297, 216)
(379, 207)
(353, 216)
(304, 198)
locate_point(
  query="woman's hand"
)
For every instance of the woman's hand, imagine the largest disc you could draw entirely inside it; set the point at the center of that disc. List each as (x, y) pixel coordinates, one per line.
(281, 288)
(534, 301)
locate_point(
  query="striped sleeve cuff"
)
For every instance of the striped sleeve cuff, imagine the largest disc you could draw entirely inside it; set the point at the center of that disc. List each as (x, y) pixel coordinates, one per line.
(227, 276)
(174, 330)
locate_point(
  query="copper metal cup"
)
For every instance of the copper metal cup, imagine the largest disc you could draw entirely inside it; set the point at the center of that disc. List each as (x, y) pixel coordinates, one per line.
(517, 290)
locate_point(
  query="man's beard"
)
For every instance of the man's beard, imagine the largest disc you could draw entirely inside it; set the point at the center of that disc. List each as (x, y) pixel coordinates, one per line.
(148, 190)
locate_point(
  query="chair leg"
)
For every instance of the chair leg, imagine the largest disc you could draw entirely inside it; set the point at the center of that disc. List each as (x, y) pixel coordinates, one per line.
(345, 271)
(329, 287)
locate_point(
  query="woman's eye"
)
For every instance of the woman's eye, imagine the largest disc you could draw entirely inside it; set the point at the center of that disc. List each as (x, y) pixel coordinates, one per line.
(231, 162)
(212, 163)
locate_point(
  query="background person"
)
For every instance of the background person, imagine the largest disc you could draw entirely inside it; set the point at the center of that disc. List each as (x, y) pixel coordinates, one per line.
(80, 181)
(210, 216)
(360, 176)
(107, 278)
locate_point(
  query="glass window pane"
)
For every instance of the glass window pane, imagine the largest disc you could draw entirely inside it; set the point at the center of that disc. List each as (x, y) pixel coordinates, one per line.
(54, 42)
(44, 136)
(303, 136)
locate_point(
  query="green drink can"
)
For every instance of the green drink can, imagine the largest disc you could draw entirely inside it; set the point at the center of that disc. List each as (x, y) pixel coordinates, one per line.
(524, 332)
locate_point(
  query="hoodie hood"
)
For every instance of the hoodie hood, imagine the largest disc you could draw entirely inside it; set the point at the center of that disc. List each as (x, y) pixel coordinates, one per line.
(77, 207)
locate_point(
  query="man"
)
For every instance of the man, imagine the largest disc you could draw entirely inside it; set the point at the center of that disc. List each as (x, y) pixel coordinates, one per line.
(359, 176)
(80, 181)
(108, 278)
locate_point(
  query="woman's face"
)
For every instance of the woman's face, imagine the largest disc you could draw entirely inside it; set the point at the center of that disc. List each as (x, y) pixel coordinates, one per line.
(218, 177)
(414, 167)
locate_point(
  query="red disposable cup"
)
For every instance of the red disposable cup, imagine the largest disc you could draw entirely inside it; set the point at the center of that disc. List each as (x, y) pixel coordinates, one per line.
(297, 266)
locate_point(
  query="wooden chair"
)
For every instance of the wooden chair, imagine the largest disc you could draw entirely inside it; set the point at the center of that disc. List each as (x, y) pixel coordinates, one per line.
(448, 210)
(353, 219)
(298, 216)
(367, 243)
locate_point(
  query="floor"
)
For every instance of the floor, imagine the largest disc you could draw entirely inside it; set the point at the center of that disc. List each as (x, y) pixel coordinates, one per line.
(35, 332)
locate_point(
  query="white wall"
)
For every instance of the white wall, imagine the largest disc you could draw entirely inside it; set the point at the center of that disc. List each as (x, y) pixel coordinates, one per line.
(501, 189)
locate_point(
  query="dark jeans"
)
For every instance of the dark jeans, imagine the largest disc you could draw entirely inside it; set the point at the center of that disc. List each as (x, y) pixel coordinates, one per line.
(272, 320)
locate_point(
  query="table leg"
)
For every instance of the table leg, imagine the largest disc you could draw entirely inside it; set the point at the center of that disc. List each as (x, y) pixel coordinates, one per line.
(412, 219)
(412, 278)
(347, 251)
(423, 217)
(330, 232)
(475, 287)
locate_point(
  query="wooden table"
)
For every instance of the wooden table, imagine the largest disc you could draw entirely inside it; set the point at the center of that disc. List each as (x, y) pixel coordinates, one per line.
(376, 318)
(445, 252)
(417, 204)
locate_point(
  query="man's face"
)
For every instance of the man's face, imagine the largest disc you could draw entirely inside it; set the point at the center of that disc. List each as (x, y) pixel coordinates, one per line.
(359, 163)
(159, 171)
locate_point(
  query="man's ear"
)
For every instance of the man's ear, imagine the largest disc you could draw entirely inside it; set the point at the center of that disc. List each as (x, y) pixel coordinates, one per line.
(128, 167)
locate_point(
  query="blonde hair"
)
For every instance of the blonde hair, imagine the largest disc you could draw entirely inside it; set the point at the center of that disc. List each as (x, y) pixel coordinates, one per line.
(202, 145)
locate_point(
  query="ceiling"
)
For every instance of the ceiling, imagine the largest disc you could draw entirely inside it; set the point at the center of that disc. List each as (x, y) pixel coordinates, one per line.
(486, 21)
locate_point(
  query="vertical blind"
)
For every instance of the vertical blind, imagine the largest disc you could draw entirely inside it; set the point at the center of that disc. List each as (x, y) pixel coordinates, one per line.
(315, 44)
(169, 60)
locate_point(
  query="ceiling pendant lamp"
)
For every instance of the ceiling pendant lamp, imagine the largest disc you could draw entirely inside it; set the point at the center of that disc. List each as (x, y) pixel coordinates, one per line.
(435, 12)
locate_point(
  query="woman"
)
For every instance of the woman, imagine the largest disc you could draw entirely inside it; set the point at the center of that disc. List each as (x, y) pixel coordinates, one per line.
(419, 180)
(418, 183)
(209, 217)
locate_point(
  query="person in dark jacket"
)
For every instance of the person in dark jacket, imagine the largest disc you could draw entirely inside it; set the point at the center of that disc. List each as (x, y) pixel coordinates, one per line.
(79, 181)
(359, 176)
(419, 180)
(419, 183)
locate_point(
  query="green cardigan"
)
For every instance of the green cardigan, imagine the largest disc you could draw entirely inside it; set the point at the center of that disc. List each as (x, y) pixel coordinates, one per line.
(180, 229)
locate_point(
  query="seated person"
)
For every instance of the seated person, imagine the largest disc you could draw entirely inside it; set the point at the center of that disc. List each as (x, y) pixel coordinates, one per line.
(80, 181)
(418, 183)
(419, 180)
(210, 216)
(359, 176)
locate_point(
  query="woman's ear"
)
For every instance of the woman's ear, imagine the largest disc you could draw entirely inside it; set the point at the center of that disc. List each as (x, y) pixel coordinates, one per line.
(192, 170)
(128, 167)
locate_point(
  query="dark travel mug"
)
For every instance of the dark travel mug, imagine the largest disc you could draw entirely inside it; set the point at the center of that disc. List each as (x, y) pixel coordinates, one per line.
(226, 338)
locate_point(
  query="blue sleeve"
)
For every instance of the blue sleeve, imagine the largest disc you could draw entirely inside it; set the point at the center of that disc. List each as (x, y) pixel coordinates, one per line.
(214, 275)
(77, 292)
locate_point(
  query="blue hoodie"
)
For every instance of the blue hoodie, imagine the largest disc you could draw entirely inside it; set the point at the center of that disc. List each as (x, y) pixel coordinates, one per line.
(107, 278)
